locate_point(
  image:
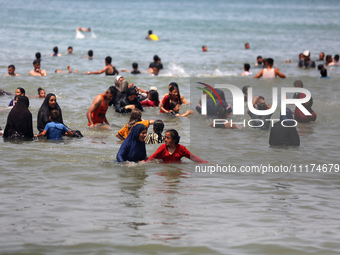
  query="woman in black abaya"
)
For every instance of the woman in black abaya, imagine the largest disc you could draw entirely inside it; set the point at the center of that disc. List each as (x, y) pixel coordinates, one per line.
(19, 121)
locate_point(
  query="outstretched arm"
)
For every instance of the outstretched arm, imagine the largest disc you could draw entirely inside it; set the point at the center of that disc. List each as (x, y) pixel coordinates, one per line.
(98, 72)
(277, 72)
(259, 74)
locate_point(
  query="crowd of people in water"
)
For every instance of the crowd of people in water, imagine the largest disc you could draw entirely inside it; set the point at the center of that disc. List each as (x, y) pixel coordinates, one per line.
(126, 98)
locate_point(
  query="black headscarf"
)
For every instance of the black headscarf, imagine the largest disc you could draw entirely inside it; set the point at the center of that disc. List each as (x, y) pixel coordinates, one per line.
(19, 121)
(123, 101)
(44, 113)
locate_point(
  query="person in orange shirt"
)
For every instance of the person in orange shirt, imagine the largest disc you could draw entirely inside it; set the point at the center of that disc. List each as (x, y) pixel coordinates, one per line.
(135, 118)
(97, 111)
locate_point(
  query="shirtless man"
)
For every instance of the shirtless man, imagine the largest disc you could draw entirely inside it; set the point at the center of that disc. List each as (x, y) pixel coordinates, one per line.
(269, 71)
(37, 71)
(11, 71)
(108, 69)
(97, 111)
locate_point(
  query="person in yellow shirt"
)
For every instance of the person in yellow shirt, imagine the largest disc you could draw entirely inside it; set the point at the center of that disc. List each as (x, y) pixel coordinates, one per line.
(135, 118)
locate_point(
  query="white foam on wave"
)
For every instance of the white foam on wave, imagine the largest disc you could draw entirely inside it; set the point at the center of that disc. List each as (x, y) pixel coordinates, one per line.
(217, 73)
(79, 35)
(93, 34)
(175, 70)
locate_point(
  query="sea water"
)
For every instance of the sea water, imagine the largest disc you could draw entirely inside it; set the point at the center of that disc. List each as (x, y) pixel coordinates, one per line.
(71, 197)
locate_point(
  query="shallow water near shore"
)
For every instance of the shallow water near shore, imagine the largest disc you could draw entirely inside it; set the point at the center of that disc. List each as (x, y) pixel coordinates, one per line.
(71, 197)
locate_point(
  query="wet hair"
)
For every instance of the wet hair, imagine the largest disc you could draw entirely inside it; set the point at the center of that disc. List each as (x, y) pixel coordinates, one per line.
(11, 66)
(155, 58)
(134, 65)
(113, 91)
(261, 97)
(70, 47)
(258, 57)
(108, 59)
(37, 61)
(40, 89)
(158, 127)
(90, 53)
(55, 50)
(174, 135)
(174, 85)
(245, 90)
(336, 57)
(320, 67)
(323, 72)
(22, 90)
(262, 106)
(150, 32)
(270, 61)
(328, 59)
(154, 96)
(38, 55)
(246, 66)
(55, 114)
(135, 116)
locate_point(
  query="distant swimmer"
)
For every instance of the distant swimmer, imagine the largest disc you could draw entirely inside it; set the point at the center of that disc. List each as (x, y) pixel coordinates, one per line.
(11, 71)
(37, 71)
(108, 69)
(69, 70)
(323, 73)
(321, 57)
(79, 32)
(204, 48)
(134, 67)
(70, 50)
(83, 29)
(38, 56)
(152, 36)
(246, 46)
(55, 52)
(306, 62)
(246, 68)
(157, 63)
(269, 71)
(89, 55)
(259, 62)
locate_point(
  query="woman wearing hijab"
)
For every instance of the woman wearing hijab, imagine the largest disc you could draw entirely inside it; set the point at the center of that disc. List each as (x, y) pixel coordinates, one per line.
(19, 121)
(50, 103)
(121, 84)
(284, 132)
(128, 103)
(133, 147)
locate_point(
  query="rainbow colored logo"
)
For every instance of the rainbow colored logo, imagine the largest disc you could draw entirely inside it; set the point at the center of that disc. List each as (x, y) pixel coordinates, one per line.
(204, 97)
